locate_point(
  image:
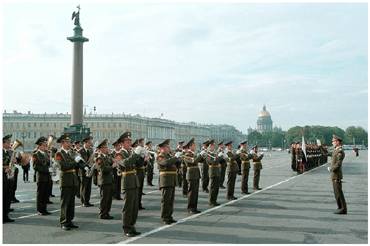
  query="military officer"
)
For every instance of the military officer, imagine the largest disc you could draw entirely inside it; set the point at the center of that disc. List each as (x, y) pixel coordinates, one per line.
(130, 186)
(87, 155)
(184, 169)
(231, 170)
(40, 160)
(116, 178)
(7, 153)
(168, 179)
(178, 152)
(104, 163)
(150, 164)
(214, 168)
(68, 162)
(222, 161)
(204, 166)
(140, 167)
(193, 175)
(257, 166)
(337, 157)
(76, 149)
(245, 165)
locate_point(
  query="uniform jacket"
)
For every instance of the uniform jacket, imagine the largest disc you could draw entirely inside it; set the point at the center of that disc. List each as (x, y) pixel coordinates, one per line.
(214, 167)
(167, 170)
(41, 163)
(66, 163)
(129, 179)
(105, 170)
(232, 165)
(244, 158)
(257, 164)
(337, 157)
(86, 155)
(191, 163)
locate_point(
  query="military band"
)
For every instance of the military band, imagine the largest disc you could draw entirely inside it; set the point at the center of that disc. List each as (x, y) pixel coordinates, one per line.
(122, 171)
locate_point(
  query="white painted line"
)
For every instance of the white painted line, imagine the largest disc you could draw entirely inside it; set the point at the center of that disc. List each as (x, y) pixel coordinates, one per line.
(211, 209)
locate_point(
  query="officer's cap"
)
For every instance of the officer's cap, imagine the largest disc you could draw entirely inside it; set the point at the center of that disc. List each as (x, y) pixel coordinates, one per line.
(41, 140)
(228, 143)
(116, 142)
(244, 142)
(124, 136)
(221, 143)
(7, 137)
(140, 139)
(206, 143)
(189, 143)
(181, 142)
(134, 144)
(104, 143)
(87, 139)
(149, 142)
(164, 143)
(64, 137)
(335, 137)
(77, 142)
(212, 141)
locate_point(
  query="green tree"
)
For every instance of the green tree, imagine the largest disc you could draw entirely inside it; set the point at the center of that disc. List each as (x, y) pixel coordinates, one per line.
(355, 135)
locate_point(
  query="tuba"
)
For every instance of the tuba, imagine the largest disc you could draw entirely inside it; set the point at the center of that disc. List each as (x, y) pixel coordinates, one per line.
(50, 141)
(15, 146)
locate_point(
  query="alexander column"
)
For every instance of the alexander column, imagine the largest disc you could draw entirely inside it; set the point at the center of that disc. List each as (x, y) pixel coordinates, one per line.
(76, 130)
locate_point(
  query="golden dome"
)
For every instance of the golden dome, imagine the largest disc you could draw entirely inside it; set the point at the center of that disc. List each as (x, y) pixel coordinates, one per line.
(264, 112)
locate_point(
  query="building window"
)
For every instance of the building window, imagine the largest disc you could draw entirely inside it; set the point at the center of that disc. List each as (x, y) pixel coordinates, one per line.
(29, 124)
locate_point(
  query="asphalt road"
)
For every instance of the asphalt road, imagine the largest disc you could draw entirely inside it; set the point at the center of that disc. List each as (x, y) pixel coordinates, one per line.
(290, 209)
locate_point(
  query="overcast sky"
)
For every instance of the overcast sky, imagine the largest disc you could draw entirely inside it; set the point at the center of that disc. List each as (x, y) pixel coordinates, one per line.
(209, 63)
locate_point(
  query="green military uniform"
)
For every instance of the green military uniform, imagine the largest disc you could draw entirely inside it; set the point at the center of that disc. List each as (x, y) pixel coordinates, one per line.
(204, 168)
(168, 181)
(185, 184)
(129, 187)
(257, 166)
(116, 177)
(41, 165)
(68, 184)
(245, 167)
(105, 182)
(150, 166)
(86, 182)
(337, 157)
(214, 171)
(221, 160)
(192, 177)
(232, 170)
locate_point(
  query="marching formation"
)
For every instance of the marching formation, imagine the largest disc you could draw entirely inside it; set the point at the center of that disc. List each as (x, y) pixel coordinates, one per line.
(120, 173)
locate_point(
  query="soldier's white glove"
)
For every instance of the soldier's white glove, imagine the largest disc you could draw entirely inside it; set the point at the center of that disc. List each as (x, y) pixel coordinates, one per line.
(78, 158)
(262, 153)
(329, 169)
(51, 170)
(178, 154)
(86, 169)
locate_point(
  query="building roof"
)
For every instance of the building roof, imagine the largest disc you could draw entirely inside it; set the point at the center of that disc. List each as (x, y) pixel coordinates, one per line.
(264, 113)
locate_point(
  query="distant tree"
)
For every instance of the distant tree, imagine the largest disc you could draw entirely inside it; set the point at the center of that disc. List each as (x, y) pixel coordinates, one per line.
(355, 135)
(255, 138)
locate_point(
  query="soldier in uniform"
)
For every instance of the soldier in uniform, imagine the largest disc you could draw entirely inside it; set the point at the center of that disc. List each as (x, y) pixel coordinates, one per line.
(130, 186)
(116, 178)
(150, 164)
(204, 167)
(231, 170)
(257, 166)
(335, 169)
(139, 150)
(76, 148)
(68, 162)
(104, 163)
(168, 179)
(7, 153)
(179, 152)
(222, 161)
(184, 169)
(244, 156)
(40, 160)
(214, 170)
(193, 175)
(87, 155)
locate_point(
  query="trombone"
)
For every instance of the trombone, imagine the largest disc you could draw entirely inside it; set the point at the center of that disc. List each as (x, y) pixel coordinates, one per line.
(17, 143)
